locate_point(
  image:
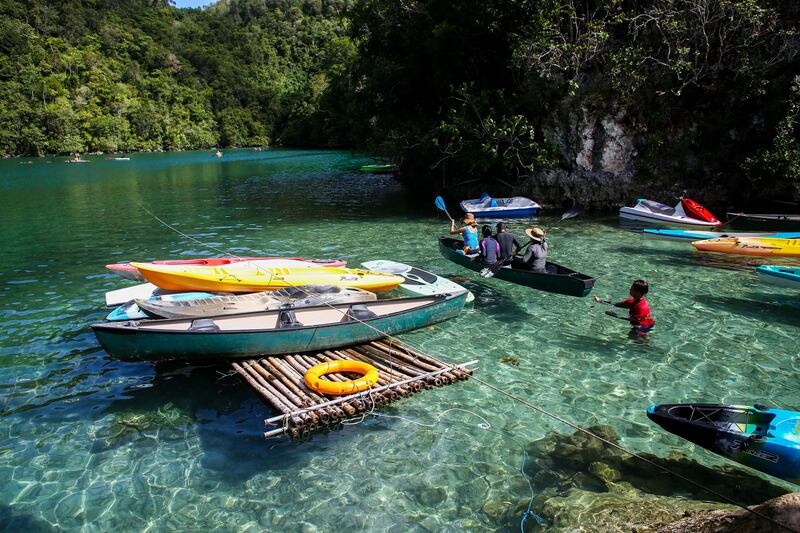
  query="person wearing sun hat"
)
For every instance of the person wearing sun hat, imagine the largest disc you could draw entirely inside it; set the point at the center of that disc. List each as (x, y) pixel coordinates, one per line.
(536, 255)
(469, 233)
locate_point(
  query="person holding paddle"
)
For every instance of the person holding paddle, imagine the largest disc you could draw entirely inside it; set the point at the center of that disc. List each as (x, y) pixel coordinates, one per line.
(469, 233)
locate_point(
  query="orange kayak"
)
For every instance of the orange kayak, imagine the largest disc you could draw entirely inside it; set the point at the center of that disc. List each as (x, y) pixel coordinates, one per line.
(759, 246)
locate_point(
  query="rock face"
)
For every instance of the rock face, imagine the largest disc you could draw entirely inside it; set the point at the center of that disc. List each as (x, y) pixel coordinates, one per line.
(601, 154)
(784, 509)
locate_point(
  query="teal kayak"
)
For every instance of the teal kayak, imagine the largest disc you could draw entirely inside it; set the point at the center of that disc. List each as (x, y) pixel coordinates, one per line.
(689, 235)
(755, 436)
(784, 276)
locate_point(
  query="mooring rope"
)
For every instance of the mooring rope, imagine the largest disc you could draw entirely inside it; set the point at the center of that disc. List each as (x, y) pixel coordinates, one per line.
(513, 397)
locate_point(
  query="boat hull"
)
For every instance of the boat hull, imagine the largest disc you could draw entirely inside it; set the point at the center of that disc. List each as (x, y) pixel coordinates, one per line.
(782, 276)
(763, 221)
(562, 281)
(153, 345)
(763, 439)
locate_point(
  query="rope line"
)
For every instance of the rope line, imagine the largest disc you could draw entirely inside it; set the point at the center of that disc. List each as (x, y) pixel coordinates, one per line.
(511, 396)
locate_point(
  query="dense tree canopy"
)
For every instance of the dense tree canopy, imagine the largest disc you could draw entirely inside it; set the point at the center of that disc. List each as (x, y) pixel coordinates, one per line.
(142, 75)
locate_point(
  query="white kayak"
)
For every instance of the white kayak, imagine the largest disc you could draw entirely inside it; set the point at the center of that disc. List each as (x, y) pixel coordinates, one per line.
(288, 298)
(142, 291)
(650, 211)
(417, 281)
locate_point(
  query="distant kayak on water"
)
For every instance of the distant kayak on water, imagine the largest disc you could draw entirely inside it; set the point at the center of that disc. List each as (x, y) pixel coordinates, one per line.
(686, 213)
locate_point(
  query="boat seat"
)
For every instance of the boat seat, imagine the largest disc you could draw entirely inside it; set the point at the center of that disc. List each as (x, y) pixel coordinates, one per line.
(288, 319)
(358, 312)
(203, 324)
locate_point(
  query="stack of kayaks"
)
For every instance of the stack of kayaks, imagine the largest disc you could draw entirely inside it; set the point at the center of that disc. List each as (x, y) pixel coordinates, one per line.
(695, 235)
(757, 436)
(686, 213)
(757, 246)
(156, 323)
(783, 276)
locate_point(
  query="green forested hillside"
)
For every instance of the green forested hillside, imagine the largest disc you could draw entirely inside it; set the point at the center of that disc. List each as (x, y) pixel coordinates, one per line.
(137, 75)
(539, 93)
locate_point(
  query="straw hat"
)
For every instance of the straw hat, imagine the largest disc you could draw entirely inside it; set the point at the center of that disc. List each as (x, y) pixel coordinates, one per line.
(469, 217)
(535, 233)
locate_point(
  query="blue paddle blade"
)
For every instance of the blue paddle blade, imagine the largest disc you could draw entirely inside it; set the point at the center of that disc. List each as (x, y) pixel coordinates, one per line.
(440, 203)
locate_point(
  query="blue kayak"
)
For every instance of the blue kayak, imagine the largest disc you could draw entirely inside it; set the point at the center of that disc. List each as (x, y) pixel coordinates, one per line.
(131, 311)
(689, 235)
(784, 276)
(756, 436)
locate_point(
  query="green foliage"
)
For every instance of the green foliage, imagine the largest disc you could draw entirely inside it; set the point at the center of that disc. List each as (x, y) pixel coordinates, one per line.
(131, 75)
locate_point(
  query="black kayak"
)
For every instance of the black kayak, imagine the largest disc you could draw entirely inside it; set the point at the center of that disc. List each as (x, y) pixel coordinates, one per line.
(556, 278)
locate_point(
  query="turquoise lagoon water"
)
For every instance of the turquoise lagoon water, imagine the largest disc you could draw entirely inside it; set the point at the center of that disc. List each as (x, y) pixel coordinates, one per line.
(90, 442)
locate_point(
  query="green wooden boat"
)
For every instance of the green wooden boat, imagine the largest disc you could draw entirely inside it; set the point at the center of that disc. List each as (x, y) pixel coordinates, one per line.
(557, 279)
(274, 332)
(379, 168)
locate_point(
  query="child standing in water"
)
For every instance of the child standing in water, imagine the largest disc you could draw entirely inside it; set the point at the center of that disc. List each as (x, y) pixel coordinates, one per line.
(469, 233)
(638, 308)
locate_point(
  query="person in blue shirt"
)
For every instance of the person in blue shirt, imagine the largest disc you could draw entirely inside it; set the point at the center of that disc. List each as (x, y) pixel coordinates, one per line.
(469, 232)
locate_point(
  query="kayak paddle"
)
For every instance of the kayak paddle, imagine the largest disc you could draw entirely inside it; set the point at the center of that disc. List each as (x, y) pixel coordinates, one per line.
(439, 201)
(494, 268)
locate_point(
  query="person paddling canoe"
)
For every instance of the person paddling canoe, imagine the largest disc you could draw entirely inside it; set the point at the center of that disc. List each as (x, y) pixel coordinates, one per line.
(469, 233)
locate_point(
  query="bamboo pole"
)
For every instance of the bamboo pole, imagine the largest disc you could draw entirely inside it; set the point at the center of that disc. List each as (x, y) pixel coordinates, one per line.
(279, 403)
(442, 378)
(384, 370)
(297, 378)
(289, 396)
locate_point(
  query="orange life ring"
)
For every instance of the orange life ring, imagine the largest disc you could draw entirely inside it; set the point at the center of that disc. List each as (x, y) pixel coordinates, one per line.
(368, 379)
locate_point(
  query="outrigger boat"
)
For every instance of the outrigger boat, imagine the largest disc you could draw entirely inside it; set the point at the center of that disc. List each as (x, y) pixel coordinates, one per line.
(758, 437)
(273, 332)
(765, 220)
(556, 278)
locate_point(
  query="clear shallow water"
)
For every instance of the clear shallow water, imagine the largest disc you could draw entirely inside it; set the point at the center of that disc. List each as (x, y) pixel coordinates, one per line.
(89, 442)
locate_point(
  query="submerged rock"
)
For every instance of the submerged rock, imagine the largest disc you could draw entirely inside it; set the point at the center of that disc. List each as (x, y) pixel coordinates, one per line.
(584, 484)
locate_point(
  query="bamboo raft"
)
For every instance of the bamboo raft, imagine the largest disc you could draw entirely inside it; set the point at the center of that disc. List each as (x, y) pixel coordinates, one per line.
(402, 371)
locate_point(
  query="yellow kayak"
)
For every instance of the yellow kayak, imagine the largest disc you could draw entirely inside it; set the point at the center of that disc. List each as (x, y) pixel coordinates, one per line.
(256, 277)
(760, 246)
